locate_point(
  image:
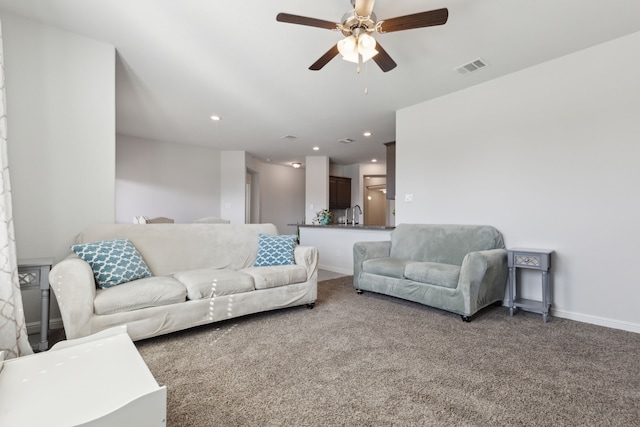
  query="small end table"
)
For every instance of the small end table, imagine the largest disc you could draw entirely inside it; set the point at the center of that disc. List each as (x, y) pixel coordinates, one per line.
(534, 259)
(34, 274)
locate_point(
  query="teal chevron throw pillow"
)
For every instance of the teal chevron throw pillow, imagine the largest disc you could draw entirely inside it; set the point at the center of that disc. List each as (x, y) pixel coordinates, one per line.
(275, 250)
(113, 261)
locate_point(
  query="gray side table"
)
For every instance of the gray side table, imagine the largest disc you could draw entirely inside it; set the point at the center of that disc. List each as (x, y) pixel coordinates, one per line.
(34, 274)
(534, 259)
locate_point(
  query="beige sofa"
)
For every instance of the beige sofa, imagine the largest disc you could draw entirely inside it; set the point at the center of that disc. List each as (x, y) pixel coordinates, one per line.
(201, 273)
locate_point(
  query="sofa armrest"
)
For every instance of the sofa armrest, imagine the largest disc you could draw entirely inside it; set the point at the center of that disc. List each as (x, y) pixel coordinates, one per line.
(483, 278)
(74, 286)
(363, 251)
(308, 257)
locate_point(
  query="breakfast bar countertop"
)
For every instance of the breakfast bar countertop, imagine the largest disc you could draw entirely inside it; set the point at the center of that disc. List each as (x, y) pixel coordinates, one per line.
(335, 242)
(346, 227)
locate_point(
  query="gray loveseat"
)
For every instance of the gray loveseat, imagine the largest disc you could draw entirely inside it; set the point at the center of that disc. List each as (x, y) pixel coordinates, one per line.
(458, 268)
(200, 274)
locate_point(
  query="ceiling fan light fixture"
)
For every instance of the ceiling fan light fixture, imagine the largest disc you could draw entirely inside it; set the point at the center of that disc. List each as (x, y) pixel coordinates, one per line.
(355, 47)
(366, 46)
(348, 48)
(368, 55)
(357, 24)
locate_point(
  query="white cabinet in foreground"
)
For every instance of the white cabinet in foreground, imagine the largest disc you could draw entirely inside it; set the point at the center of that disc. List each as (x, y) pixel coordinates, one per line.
(100, 380)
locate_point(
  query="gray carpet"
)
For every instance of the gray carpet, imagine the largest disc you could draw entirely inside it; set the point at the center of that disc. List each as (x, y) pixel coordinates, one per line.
(369, 360)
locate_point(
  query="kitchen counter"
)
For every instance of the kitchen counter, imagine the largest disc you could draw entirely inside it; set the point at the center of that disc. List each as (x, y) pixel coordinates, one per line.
(345, 227)
(335, 242)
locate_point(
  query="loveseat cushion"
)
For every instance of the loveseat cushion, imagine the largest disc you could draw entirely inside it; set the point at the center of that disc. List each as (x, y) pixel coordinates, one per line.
(433, 273)
(137, 294)
(445, 243)
(391, 267)
(272, 277)
(208, 282)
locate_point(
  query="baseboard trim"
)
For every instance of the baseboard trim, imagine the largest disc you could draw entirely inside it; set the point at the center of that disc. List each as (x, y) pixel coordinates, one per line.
(34, 327)
(595, 320)
(336, 269)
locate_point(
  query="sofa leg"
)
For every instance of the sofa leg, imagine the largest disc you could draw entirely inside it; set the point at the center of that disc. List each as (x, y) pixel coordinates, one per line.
(359, 292)
(311, 305)
(466, 319)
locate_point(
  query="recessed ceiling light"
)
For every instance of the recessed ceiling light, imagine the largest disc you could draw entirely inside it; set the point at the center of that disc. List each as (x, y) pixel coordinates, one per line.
(367, 133)
(216, 118)
(374, 160)
(316, 148)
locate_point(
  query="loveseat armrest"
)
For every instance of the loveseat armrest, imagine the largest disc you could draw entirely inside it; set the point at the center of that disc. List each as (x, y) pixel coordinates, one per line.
(74, 286)
(363, 251)
(307, 256)
(483, 278)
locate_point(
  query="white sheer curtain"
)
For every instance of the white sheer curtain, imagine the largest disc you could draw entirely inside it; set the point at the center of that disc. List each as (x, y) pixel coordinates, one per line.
(13, 331)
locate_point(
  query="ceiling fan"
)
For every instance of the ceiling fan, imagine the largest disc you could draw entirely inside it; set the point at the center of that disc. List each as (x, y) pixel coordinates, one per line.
(357, 26)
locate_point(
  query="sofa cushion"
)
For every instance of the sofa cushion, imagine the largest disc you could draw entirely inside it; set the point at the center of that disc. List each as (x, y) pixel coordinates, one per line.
(392, 267)
(272, 277)
(433, 273)
(169, 248)
(443, 243)
(208, 282)
(113, 261)
(137, 294)
(275, 250)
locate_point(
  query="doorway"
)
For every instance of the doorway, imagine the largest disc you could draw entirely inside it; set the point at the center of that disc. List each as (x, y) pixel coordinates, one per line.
(375, 200)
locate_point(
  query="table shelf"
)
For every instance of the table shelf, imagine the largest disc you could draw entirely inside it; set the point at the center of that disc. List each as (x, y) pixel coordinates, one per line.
(34, 274)
(533, 259)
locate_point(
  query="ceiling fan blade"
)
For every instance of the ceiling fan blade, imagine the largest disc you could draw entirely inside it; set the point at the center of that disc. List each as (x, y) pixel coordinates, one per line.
(324, 59)
(416, 20)
(364, 7)
(383, 59)
(303, 20)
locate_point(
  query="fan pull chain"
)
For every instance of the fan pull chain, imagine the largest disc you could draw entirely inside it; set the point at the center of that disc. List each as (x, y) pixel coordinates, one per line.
(366, 78)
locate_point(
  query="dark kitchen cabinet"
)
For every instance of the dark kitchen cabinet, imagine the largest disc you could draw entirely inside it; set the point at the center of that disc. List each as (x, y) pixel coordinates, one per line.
(339, 192)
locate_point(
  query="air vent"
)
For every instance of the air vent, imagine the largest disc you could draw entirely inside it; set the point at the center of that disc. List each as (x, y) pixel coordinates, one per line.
(289, 137)
(346, 140)
(470, 67)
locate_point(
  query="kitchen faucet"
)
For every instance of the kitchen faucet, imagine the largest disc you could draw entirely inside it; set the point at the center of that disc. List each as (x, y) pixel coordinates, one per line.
(353, 213)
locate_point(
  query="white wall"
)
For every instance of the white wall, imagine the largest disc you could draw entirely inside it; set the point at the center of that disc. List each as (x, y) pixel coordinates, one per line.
(156, 178)
(550, 156)
(61, 134)
(316, 186)
(60, 95)
(282, 196)
(233, 171)
(185, 182)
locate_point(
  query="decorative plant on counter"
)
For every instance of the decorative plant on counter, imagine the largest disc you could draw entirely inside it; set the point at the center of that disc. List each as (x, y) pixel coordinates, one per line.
(323, 217)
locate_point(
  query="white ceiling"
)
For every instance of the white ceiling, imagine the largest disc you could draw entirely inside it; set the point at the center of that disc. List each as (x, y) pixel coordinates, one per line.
(181, 61)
